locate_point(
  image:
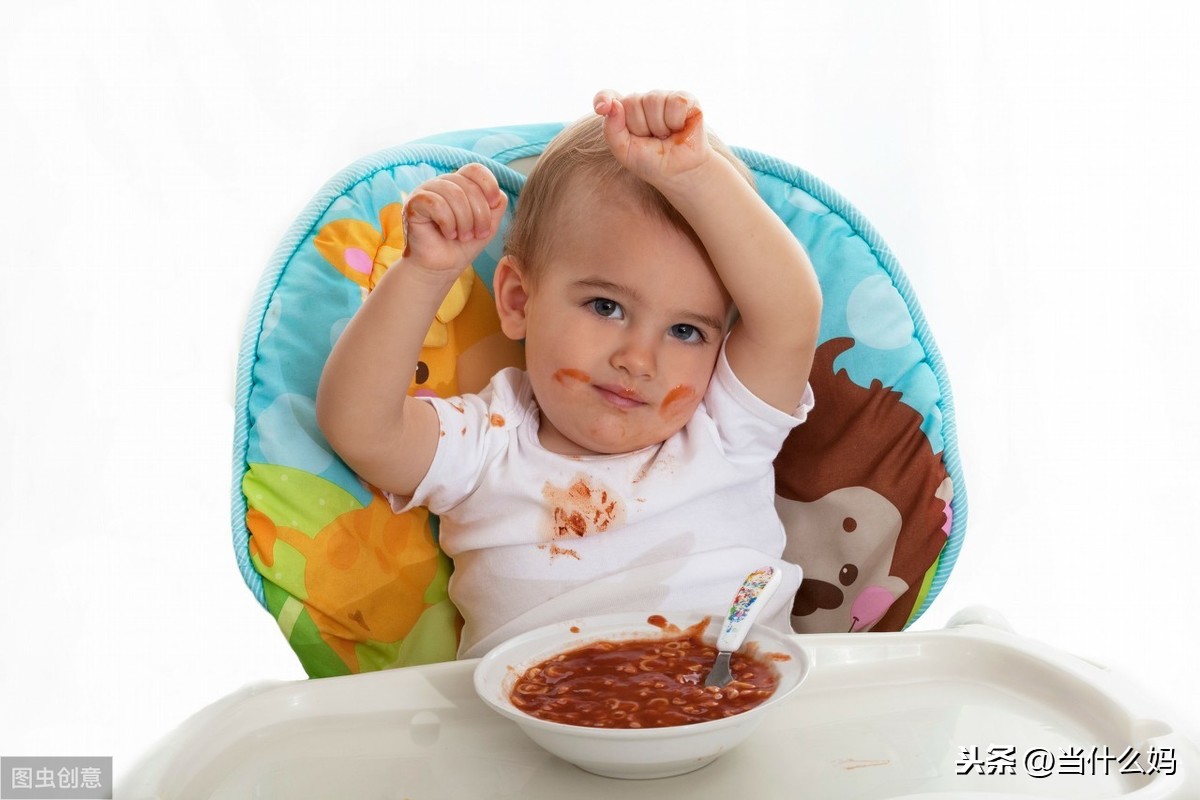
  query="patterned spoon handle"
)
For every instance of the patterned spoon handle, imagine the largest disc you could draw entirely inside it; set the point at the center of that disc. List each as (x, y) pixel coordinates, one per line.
(748, 603)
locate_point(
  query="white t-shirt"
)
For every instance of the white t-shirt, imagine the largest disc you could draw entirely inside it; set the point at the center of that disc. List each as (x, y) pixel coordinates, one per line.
(538, 537)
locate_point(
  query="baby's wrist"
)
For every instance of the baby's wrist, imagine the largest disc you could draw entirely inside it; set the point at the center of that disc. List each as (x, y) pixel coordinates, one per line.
(712, 171)
(420, 274)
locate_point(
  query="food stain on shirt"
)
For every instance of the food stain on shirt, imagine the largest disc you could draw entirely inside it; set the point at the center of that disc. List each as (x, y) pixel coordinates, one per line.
(582, 508)
(556, 551)
(657, 462)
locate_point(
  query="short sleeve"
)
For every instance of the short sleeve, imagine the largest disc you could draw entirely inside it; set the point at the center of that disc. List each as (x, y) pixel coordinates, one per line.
(749, 428)
(474, 430)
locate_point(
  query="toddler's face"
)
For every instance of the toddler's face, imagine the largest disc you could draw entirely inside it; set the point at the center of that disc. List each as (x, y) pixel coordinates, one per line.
(623, 328)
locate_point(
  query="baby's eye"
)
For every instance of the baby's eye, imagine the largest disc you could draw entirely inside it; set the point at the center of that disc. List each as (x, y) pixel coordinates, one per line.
(687, 333)
(607, 308)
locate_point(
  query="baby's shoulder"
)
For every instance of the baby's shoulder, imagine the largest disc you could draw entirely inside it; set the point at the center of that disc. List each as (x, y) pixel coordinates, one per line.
(510, 388)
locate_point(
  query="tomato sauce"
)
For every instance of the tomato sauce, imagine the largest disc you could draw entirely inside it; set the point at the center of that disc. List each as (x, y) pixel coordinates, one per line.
(644, 683)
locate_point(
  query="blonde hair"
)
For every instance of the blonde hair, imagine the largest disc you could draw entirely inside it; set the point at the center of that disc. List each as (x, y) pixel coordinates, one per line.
(580, 156)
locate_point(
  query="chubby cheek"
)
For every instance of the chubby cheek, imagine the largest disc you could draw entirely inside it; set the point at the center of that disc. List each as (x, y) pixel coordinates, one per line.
(568, 386)
(568, 376)
(678, 404)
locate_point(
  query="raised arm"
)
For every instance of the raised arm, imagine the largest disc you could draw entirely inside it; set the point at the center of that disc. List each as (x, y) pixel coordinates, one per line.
(363, 407)
(660, 137)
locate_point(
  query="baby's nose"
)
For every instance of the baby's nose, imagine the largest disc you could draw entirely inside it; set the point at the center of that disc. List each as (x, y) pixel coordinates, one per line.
(636, 357)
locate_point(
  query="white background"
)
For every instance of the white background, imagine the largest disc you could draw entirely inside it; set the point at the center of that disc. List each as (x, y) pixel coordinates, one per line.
(1031, 164)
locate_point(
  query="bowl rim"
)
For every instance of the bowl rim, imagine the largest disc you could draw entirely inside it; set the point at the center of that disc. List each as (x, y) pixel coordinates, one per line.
(600, 627)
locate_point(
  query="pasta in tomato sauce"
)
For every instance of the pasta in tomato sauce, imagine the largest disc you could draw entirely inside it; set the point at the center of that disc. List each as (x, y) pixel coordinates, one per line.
(643, 683)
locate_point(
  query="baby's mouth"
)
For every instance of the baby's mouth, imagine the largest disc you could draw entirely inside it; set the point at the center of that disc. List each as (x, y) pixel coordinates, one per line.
(620, 396)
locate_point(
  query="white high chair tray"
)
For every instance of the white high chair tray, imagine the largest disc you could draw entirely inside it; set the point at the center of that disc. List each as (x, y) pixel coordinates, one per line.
(971, 711)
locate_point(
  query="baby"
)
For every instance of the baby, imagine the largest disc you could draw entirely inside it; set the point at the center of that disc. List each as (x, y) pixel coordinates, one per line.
(630, 466)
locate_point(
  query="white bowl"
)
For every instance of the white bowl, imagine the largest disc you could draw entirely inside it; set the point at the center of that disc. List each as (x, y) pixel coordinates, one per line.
(626, 752)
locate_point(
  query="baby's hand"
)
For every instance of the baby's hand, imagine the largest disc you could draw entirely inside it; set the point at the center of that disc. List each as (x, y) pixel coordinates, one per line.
(448, 220)
(656, 136)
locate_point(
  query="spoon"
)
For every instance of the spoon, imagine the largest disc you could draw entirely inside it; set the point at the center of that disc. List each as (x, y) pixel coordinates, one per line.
(750, 599)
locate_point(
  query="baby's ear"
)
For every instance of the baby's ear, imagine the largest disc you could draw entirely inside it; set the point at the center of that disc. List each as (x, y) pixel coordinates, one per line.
(510, 286)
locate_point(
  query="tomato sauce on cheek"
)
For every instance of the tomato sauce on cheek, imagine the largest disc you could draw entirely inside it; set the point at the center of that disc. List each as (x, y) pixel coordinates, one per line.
(677, 401)
(563, 375)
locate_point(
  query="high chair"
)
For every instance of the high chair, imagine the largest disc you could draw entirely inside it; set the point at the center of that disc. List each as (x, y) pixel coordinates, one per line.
(869, 487)
(870, 490)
